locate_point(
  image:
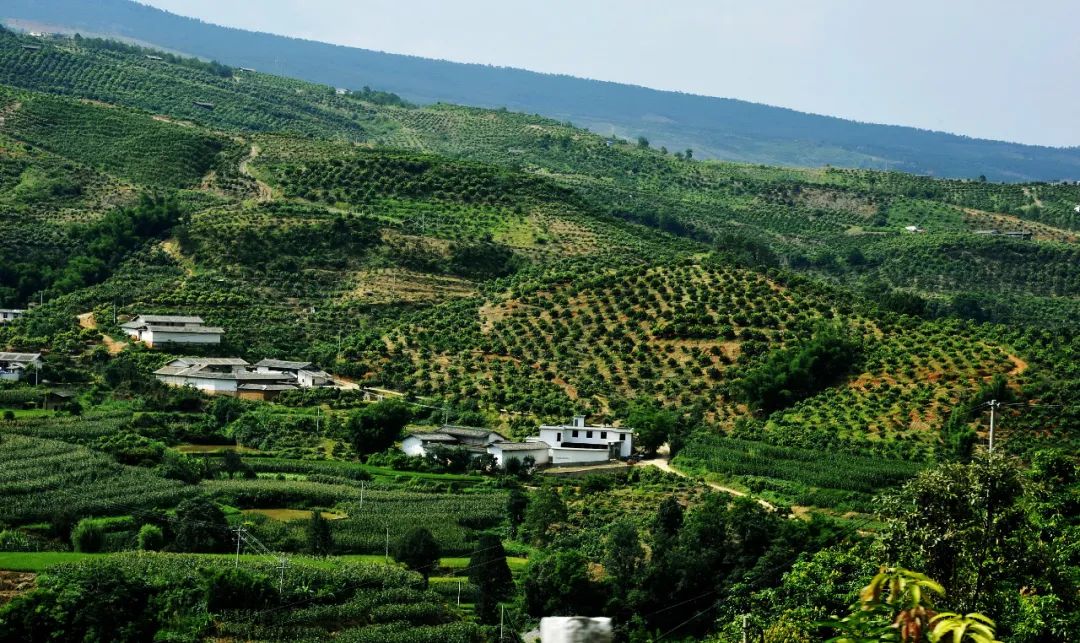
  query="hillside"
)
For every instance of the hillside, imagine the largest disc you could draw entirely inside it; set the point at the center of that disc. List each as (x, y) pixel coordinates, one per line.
(719, 128)
(823, 341)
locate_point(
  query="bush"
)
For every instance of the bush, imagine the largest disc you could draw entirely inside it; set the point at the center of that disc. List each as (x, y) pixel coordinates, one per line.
(151, 538)
(88, 537)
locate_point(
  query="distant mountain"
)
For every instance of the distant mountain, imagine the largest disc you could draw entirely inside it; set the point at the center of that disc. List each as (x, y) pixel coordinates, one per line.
(713, 127)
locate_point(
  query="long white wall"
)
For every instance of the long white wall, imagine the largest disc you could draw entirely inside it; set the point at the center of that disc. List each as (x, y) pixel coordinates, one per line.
(155, 338)
(562, 456)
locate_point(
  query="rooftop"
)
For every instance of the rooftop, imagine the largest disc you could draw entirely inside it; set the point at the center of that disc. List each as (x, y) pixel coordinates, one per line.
(186, 328)
(521, 446)
(19, 357)
(433, 437)
(468, 431)
(210, 361)
(169, 319)
(280, 363)
(586, 427)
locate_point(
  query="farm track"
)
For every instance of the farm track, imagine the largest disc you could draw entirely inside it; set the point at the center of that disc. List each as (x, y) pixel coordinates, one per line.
(665, 465)
(86, 320)
(266, 193)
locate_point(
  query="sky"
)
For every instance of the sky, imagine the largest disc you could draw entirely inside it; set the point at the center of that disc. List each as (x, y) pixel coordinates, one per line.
(998, 69)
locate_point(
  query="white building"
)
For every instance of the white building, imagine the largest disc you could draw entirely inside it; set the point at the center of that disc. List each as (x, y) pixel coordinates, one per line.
(10, 314)
(568, 444)
(470, 438)
(579, 443)
(219, 376)
(304, 374)
(417, 444)
(506, 451)
(155, 330)
(16, 366)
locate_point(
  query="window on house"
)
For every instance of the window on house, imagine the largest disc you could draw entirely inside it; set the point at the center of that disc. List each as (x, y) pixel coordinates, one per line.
(558, 437)
(575, 433)
(622, 437)
(588, 434)
(603, 435)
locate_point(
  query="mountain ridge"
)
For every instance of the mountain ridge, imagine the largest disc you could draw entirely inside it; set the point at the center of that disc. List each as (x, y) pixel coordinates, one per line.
(722, 128)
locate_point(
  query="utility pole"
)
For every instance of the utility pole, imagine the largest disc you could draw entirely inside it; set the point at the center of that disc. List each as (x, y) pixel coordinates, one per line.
(282, 564)
(239, 538)
(994, 405)
(745, 629)
(459, 593)
(502, 617)
(386, 558)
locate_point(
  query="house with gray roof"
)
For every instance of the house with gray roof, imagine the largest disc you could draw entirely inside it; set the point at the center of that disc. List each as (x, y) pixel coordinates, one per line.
(16, 366)
(156, 330)
(221, 376)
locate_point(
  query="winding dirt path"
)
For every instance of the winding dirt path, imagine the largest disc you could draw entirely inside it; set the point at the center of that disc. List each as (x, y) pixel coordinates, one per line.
(266, 193)
(86, 320)
(664, 465)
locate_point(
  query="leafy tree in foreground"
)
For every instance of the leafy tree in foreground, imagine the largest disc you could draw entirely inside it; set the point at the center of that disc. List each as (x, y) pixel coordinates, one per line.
(320, 542)
(625, 556)
(419, 551)
(559, 585)
(516, 504)
(898, 605)
(200, 526)
(653, 425)
(544, 510)
(490, 573)
(375, 428)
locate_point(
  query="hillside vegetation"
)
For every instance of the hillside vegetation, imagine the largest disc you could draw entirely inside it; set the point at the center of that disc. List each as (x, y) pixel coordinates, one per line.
(720, 128)
(782, 331)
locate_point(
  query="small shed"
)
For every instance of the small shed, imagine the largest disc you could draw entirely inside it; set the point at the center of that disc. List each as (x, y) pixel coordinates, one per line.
(57, 399)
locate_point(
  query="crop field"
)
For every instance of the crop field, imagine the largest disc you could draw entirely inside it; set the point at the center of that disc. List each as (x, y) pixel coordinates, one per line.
(41, 478)
(452, 518)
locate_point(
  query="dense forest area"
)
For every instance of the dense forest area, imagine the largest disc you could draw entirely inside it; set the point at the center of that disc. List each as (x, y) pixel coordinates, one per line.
(809, 357)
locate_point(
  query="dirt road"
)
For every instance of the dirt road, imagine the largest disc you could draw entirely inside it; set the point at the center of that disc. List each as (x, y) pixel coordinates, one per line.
(266, 193)
(86, 320)
(664, 465)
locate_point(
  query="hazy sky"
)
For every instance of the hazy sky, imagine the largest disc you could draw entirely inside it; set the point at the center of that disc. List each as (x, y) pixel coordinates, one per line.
(1002, 69)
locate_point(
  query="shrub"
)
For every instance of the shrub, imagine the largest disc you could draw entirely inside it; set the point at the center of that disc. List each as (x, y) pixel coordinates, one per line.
(151, 538)
(88, 537)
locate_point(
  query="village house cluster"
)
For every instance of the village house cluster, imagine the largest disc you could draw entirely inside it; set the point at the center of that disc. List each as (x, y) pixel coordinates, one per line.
(234, 376)
(559, 445)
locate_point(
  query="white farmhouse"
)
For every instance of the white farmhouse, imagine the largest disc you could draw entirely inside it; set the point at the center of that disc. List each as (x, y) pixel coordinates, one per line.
(417, 444)
(221, 376)
(579, 443)
(10, 314)
(470, 438)
(16, 366)
(304, 374)
(155, 330)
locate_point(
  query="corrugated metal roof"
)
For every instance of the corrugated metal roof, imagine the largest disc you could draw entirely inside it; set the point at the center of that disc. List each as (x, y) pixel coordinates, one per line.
(468, 431)
(175, 319)
(281, 363)
(433, 437)
(19, 357)
(521, 446)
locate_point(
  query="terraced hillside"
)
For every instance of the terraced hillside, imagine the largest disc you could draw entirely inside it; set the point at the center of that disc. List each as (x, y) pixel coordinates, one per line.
(514, 264)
